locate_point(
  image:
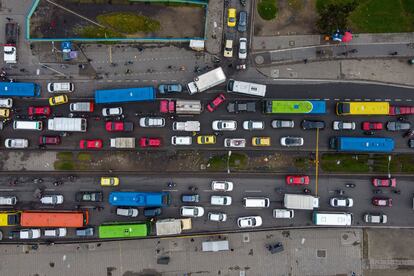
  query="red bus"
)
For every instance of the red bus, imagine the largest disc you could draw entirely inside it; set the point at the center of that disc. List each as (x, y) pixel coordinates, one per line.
(54, 219)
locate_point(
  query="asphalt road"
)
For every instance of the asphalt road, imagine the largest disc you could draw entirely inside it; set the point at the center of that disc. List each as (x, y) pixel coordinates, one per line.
(243, 187)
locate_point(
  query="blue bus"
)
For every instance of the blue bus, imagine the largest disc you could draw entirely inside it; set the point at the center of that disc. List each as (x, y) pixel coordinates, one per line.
(140, 199)
(19, 89)
(364, 144)
(125, 95)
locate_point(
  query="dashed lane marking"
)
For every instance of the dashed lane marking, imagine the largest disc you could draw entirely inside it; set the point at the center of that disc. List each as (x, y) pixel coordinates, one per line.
(253, 191)
(398, 100)
(387, 100)
(408, 100)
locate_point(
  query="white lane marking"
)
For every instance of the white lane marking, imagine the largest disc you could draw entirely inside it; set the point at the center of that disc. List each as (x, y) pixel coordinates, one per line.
(50, 190)
(347, 100)
(253, 191)
(327, 99)
(169, 190)
(6, 190)
(336, 99)
(358, 100)
(398, 100)
(377, 100)
(387, 100)
(367, 100)
(408, 100)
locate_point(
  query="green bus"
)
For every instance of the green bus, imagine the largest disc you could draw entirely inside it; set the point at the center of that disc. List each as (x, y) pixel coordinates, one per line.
(123, 230)
(294, 107)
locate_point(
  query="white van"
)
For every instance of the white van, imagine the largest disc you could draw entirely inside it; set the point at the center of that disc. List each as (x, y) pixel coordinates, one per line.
(181, 140)
(256, 202)
(8, 200)
(27, 125)
(60, 87)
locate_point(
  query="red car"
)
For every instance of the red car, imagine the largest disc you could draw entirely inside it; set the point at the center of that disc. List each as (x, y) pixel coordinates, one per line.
(39, 111)
(401, 110)
(384, 182)
(372, 126)
(297, 180)
(382, 201)
(49, 140)
(119, 126)
(147, 142)
(167, 106)
(90, 144)
(216, 102)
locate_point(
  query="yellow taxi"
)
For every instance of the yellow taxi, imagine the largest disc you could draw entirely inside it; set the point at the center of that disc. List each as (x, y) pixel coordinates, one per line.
(109, 181)
(231, 18)
(57, 100)
(206, 139)
(4, 112)
(261, 141)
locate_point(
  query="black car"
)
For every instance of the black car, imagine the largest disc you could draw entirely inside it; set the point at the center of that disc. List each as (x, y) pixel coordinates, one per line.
(89, 196)
(236, 107)
(152, 212)
(310, 124)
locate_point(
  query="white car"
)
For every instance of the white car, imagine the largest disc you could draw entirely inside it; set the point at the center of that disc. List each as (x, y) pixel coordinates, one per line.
(191, 211)
(60, 87)
(151, 122)
(25, 234)
(242, 48)
(375, 218)
(56, 232)
(6, 102)
(127, 212)
(290, 141)
(220, 200)
(52, 199)
(235, 142)
(16, 143)
(181, 140)
(221, 217)
(249, 222)
(222, 186)
(341, 202)
(283, 213)
(224, 125)
(340, 125)
(112, 111)
(253, 125)
(8, 200)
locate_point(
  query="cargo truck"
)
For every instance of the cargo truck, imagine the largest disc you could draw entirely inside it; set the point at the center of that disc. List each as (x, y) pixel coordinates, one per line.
(10, 47)
(206, 81)
(186, 126)
(181, 106)
(67, 124)
(302, 202)
(123, 142)
(172, 226)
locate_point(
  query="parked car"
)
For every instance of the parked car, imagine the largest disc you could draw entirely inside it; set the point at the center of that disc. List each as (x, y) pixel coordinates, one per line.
(151, 122)
(90, 144)
(261, 141)
(283, 213)
(237, 107)
(216, 102)
(242, 48)
(384, 182)
(372, 126)
(85, 232)
(253, 125)
(52, 199)
(375, 218)
(219, 217)
(152, 212)
(231, 17)
(56, 232)
(170, 88)
(397, 126)
(8, 200)
(234, 142)
(149, 142)
(206, 139)
(297, 180)
(191, 211)
(190, 198)
(25, 234)
(89, 196)
(6, 102)
(382, 201)
(224, 125)
(242, 24)
(118, 126)
(127, 212)
(283, 124)
(16, 143)
(411, 143)
(112, 111)
(39, 111)
(249, 222)
(222, 186)
(228, 48)
(312, 124)
(290, 141)
(58, 100)
(181, 140)
(340, 125)
(109, 181)
(220, 200)
(49, 140)
(60, 87)
(341, 202)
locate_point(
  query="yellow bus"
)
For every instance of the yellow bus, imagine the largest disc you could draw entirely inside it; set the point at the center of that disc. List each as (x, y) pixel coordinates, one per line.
(363, 108)
(9, 218)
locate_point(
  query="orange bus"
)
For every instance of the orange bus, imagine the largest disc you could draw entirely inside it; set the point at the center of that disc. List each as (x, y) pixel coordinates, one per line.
(54, 219)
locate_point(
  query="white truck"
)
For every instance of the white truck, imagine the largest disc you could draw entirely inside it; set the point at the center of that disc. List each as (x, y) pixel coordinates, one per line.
(123, 142)
(186, 126)
(206, 81)
(283, 213)
(67, 124)
(302, 202)
(172, 226)
(10, 47)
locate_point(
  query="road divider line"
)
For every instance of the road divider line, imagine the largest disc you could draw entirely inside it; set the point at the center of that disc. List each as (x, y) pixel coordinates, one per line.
(253, 191)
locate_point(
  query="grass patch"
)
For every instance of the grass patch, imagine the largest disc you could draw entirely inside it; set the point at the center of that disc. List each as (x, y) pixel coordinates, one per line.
(84, 156)
(65, 155)
(296, 5)
(303, 164)
(237, 161)
(128, 23)
(93, 31)
(341, 162)
(267, 9)
(64, 165)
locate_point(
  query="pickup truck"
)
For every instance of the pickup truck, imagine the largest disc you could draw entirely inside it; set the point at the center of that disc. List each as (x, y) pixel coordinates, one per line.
(186, 126)
(236, 107)
(81, 107)
(283, 213)
(123, 142)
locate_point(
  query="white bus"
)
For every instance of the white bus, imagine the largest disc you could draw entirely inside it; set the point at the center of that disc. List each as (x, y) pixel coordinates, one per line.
(247, 88)
(332, 218)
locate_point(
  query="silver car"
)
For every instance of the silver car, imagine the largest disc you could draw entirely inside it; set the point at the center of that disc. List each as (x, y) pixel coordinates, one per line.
(290, 141)
(151, 122)
(16, 143)
(52, 199)
(221, 217)
(283, 124)
(113, 111)
(224, 125)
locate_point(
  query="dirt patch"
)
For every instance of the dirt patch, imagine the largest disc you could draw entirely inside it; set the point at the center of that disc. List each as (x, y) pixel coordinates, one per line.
(294, 17)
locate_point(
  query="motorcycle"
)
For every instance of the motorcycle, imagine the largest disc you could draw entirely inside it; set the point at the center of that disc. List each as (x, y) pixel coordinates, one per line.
(350, 185)
(171, 185)
(340, 192)
(396, 192)
(306, 191)
(57, 183)
(377, 191)
(37, 180)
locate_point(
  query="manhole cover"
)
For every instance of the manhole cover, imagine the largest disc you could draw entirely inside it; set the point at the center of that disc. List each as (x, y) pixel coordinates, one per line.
(345, 236)
(246, 237)
(291, 43)
(259, 59)
(321, 253)
(275, 73)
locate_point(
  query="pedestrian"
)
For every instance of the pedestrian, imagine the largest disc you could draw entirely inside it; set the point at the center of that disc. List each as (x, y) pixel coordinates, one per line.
(305, 60)
(9, 19)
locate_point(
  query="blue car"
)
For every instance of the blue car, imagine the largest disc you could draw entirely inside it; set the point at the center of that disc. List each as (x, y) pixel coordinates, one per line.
(170, 88)
(152, 212)
(190, 198)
